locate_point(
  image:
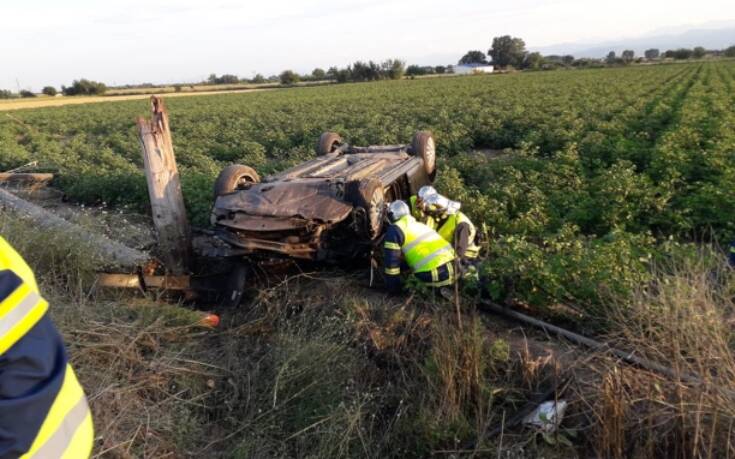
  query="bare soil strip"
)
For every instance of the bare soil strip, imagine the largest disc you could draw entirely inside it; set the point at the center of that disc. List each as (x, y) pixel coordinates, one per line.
(18, 104)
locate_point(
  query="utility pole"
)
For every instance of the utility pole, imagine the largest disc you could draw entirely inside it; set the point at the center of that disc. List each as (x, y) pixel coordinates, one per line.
(164, 190)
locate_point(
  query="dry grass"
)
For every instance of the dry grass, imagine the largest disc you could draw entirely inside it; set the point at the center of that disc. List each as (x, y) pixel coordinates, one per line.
(18, 104)
(319, 366)
(115, 95)
(457, 366)
(187, 88)
(683, 321)
(316, 366)
(145, 373)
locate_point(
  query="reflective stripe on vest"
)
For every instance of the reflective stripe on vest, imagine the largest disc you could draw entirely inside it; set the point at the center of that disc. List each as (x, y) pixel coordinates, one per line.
(438, 254)
(9, 259)
(448, 228)
(422, 247)
(421, 238)
(19, 312)
(392, 246)
(23, 308)
(67, 431)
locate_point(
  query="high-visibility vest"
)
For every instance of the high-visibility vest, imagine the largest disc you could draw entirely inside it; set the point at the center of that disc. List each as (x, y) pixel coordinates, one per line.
(66, 430)
(420, 215)
(449, 226)
(423, 248)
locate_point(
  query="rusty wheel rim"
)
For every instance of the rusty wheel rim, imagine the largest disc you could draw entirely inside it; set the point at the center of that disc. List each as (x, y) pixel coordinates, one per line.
(430, 154)
(375, 213)
(244, 182)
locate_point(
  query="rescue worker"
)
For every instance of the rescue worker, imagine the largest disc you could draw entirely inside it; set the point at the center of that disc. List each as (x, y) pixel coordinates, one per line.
(419, 205)
(455, 227)
(429, 257)
(43, 410)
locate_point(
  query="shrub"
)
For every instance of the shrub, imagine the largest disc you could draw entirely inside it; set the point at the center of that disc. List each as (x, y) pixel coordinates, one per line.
(49, 91)
(84, 87)
(289, 77)
(393, 69)
(318, 74)
(224, 79)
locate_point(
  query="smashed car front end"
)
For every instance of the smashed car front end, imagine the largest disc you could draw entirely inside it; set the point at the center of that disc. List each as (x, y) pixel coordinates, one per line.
(283, 218)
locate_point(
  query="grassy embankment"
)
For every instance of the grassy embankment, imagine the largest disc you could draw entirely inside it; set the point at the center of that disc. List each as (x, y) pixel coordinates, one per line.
(318, 366)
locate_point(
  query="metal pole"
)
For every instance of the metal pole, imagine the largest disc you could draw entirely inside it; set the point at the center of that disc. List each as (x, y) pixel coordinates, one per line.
(627, 357)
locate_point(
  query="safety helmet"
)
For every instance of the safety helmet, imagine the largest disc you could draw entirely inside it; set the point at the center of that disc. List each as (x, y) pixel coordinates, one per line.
(426, 191)
(442, 205)
(397, 210)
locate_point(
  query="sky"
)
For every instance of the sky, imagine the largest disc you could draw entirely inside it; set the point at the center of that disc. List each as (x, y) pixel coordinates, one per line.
(45, 42)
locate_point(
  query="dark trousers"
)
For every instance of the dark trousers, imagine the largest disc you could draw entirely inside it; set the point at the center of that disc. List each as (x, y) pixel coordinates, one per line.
(439, 277)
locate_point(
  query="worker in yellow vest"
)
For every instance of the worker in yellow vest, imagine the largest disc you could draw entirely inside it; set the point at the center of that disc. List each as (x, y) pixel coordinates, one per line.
(420, 208)
(413, 244)
(43, 410)
(455, 227)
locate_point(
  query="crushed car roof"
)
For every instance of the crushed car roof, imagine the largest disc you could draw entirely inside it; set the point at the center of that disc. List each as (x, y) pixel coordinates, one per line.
(309, 199)
(311, 190)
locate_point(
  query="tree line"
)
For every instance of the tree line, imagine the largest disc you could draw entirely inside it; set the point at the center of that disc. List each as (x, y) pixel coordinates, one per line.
(82, 87)
(510, 52)
(506, 51)
(390, 69)
(697, 52)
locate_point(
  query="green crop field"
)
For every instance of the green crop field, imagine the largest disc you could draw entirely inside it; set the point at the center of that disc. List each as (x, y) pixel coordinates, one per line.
(606, 196)
(601, 170)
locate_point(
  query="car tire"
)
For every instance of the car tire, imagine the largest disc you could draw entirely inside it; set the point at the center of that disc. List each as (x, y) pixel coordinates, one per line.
(233, 178)
(235, 284)
(424, 147)
(370, 197)
(328, 142)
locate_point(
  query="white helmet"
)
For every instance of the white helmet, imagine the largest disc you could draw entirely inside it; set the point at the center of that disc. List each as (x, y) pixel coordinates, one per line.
(426, 191)
(397, 210)
(441, 204)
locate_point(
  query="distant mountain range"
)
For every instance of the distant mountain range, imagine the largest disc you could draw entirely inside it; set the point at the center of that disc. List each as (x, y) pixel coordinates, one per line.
(710, 38)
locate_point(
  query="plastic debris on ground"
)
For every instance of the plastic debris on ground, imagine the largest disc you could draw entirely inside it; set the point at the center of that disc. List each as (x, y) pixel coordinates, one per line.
(547, 416)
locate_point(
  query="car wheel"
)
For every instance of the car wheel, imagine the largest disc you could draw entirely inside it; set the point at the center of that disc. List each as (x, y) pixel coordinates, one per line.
(328, 142)
(371, 198)
(233, 178)
(235, 286)
(424, 147)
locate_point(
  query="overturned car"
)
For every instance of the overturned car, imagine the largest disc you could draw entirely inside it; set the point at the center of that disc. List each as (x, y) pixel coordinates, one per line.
(327, 209)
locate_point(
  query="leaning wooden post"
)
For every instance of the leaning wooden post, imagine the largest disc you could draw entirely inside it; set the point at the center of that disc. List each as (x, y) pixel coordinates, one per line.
(164, 189)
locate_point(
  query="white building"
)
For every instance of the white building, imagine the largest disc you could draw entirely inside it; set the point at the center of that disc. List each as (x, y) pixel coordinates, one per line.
(469, 69)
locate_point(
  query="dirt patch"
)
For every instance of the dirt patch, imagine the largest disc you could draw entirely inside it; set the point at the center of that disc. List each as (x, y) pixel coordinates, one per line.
(79, 100)
(133, 94)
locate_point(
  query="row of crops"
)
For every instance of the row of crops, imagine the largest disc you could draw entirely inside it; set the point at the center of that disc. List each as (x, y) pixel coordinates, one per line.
(604, 172)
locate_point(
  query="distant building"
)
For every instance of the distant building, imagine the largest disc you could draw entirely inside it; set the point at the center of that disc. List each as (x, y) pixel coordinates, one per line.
(468, 69)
